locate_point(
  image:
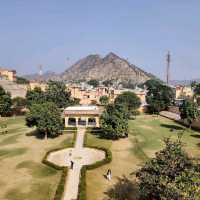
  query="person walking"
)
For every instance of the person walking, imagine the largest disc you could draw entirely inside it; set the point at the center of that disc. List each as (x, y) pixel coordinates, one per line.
(109, 174)
(72, 164)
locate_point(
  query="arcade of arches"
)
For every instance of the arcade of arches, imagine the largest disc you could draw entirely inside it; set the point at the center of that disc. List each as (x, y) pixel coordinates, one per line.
(87, 116)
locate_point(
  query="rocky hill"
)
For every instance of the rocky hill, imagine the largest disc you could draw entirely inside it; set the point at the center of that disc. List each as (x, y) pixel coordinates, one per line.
(110, 67)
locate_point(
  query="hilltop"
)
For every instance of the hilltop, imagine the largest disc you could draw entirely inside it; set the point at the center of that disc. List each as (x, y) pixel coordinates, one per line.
(110, 67)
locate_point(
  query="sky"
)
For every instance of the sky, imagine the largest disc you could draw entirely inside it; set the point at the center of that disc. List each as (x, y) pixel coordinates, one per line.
(57, 33)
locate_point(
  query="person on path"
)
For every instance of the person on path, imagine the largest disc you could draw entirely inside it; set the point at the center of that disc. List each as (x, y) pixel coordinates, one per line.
(109, 175)
(72, 164)
(70, 153)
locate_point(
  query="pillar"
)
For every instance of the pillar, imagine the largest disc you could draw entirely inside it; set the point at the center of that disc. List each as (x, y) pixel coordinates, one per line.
(97, 121)
(76, 121)
(86, 122)
(66, 121)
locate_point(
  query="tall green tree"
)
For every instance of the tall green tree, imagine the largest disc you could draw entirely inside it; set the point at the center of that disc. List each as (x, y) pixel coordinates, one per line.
(21, 80)
(5, 102)
(104, 100)
(172, 174)
(196, 90)
(189, 112)
(46, 117)
(57, 93)
(159, 96)
(18, 104)
(35, 96)
(130, 100)
(93, 82)
(114, 122)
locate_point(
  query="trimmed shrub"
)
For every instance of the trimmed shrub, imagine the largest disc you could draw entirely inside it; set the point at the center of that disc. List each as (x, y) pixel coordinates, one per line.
(61, 185)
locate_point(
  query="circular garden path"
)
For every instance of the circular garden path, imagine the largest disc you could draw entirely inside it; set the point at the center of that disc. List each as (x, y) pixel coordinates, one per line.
(80, 156)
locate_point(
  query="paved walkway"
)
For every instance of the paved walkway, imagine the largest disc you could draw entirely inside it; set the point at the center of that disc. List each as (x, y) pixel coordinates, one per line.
(170, 115)
(72, 182)
(80, 156)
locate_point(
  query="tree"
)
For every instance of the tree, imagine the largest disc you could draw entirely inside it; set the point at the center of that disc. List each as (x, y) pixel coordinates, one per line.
(21, 80)
(196, 90)
(18, 103)
(46, 117)
(104, 100)
(159, 96)
(5, 102)
(130, 100)
(75, 101)
(108, 83)
(93, 82)
(123, 189)
(57, 93)
(189, 111)
(170, 175)
(114, 122)
(35, 96)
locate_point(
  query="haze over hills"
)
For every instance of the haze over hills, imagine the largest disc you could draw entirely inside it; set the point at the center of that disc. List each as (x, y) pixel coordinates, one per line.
(110, 67)
(184, 82)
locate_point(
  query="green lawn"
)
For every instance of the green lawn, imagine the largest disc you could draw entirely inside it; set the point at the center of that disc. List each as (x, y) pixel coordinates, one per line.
(146, 135)
(149, 133)
(23, 176)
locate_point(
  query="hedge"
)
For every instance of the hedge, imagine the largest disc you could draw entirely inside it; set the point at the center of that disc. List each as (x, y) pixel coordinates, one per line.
(82, 193)
(61, 184)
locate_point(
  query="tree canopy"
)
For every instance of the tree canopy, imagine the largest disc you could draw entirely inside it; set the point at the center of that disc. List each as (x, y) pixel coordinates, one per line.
(21, 80)
(114, 122)
(172, 174)
(104, 100)
(5, 102)
(35, 96)
(57, 93)
(128, 99)
(93, 82)
(196, 89)
(159, 96)
(189, 111)
(46, 117)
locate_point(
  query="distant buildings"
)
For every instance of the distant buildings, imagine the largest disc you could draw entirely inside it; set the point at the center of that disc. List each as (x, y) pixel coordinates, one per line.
(7, 74)
(88, 95)
(183, 92)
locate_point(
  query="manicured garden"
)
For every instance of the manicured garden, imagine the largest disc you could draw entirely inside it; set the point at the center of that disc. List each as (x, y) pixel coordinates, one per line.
(146, 135)
(24, 176)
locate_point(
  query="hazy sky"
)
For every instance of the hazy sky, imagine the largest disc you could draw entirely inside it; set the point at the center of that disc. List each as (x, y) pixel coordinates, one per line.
(47, 32)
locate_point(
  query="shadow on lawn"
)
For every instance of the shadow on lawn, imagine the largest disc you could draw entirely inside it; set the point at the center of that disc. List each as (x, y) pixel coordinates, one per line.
(172, 127)
(40, 135)
(195, 136)
(123, 189)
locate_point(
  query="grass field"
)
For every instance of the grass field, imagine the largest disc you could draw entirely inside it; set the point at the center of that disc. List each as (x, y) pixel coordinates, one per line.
(23, 176)
(145, 138)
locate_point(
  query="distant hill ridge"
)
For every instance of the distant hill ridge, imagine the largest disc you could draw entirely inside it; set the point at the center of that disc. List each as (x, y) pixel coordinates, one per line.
(110, 67)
